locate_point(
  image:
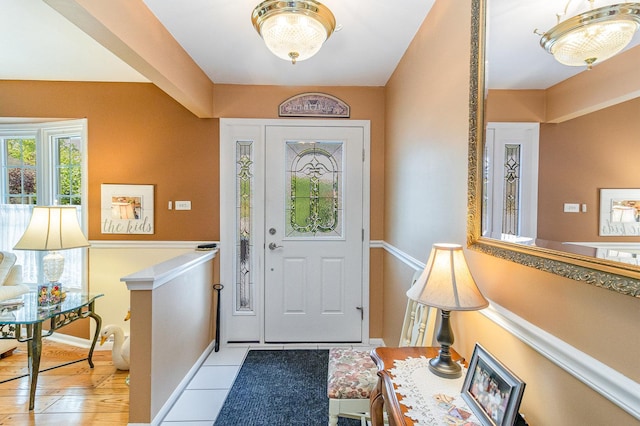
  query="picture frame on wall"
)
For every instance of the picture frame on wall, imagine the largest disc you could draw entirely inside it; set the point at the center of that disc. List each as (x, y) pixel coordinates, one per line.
(619, 212)
(126, 209)
(491, 390)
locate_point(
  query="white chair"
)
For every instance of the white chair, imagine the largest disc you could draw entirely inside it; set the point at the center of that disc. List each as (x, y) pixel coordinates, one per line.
(352, 374)
(10, 286)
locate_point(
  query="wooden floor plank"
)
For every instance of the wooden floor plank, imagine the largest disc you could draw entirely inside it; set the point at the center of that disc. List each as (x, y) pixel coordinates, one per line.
(67, 419)
(71, 395)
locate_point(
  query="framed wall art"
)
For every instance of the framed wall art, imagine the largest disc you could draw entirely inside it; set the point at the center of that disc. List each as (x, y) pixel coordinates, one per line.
(620, 212)
(492, 391)
(126, 209)
(314, 104)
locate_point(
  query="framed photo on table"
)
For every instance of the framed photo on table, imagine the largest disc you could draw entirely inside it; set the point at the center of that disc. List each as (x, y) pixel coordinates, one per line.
(492, 391)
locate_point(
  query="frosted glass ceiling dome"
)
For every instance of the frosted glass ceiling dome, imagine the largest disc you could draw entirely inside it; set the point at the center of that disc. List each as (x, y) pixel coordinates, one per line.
(293, 30)
(593, 36)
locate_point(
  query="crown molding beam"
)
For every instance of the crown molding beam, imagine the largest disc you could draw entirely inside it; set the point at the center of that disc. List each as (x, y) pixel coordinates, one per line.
(609, 83)
(133, 33)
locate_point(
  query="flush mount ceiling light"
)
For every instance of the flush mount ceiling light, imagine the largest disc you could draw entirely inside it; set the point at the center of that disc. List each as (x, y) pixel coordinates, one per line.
(594, 36)
(293, 30)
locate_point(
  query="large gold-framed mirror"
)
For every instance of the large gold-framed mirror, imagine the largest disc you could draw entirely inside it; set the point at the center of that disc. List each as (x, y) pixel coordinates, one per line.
(621, 277)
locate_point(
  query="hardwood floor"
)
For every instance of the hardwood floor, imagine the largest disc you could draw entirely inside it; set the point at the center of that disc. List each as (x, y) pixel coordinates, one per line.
(72, 395)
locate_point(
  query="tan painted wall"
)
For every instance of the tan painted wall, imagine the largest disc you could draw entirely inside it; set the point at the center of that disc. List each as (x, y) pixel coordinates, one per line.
(516, 105)
(579, 157)
(426, 171)
(611, 82)
(139, 135)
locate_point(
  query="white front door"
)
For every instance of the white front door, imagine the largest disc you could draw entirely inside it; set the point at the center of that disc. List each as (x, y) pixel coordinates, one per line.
(313, 218)
(294, 230)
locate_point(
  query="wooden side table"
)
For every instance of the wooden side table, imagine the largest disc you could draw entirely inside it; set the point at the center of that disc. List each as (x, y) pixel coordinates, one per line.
(385, 392)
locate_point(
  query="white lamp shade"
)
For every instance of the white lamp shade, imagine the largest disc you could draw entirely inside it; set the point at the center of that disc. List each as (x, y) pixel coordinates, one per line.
(52, 228)
(446, 282)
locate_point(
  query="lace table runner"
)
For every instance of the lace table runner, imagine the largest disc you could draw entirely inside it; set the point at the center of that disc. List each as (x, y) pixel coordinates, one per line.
(429, 399)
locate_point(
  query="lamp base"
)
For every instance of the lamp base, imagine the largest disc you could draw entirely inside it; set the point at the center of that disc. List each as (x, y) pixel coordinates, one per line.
(443, 365)
(445, 368)
(53, 265)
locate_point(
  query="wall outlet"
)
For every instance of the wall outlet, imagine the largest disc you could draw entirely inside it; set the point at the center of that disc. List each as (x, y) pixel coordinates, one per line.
(183, 205)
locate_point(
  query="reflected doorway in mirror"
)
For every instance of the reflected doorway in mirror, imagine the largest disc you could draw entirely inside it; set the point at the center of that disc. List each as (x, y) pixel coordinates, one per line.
(510, 193)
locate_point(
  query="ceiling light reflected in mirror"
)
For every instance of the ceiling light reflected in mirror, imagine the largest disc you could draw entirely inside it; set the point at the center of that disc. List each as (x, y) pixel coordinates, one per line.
(593, 36)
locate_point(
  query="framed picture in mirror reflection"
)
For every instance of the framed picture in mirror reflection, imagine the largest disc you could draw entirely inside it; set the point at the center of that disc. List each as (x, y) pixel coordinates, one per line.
(619, 212)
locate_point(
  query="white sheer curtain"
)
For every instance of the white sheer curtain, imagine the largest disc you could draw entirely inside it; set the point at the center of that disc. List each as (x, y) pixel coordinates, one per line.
(14, 219)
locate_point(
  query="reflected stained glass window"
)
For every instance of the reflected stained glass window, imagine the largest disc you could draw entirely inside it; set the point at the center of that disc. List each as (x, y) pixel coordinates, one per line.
(486, 184)
(314, 189)
(244, 298)
(511, 212)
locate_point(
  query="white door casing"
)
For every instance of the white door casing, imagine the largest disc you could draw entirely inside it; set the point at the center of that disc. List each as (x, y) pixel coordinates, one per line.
(324, 309)
(525, 137)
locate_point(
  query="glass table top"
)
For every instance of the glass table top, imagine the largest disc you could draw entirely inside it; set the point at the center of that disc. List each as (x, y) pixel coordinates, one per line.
(28, 312)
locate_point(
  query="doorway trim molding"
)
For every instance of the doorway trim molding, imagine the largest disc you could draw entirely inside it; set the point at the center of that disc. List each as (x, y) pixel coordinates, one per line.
(257, 128)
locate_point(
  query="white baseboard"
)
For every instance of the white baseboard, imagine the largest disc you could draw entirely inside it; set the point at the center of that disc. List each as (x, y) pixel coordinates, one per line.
(376, 342)
(71, 340)
(181, 386)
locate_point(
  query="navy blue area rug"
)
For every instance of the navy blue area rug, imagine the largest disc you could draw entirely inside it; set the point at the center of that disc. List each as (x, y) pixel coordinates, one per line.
(280, 388)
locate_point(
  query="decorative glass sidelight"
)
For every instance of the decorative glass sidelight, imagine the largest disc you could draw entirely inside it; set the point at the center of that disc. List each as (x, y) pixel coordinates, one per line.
(511, 212)
(486, 186)
(314, 189)
(244, 295)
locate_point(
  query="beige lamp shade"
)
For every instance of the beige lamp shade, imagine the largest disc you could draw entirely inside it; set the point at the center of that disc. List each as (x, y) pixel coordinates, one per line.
(52, 228)
(446, 282)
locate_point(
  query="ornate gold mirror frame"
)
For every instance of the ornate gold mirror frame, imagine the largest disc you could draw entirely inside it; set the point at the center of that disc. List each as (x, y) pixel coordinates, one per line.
(598, 272)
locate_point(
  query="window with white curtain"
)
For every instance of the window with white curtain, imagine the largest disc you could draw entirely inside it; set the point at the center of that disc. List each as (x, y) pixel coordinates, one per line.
(43, 163)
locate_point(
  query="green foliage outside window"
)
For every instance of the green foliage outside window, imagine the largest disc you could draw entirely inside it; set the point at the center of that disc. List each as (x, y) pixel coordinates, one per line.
(69, 172)
(313, 212)
(21, 172)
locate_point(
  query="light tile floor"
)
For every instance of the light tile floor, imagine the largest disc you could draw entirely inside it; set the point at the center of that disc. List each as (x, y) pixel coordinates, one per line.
(201, 401)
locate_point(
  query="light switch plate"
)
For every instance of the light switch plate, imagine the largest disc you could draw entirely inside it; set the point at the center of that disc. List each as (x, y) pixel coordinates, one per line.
(568, 207)
(183, 205)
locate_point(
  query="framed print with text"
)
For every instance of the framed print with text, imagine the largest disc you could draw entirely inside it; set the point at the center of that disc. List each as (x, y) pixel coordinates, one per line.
(126, 209)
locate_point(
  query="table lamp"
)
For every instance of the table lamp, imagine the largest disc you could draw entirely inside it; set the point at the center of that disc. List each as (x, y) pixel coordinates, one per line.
(51, 229)
(446, 283)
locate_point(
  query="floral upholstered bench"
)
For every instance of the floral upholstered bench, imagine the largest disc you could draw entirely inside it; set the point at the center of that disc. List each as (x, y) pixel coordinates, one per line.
(352, 376)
